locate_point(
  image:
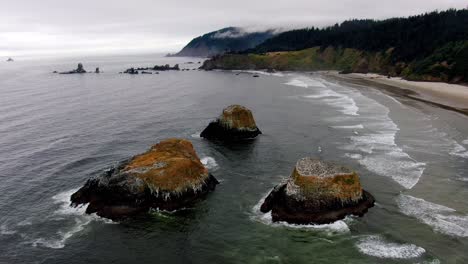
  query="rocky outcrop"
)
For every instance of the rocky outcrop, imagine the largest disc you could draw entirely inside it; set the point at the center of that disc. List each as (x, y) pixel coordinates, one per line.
(10, 60)
(145, 70)
(235, 123)
(318, 192)
(97, 70)
(169, 176)
(79, 69)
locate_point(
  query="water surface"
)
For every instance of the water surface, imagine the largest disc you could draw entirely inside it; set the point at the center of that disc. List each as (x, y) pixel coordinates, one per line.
(56, 131)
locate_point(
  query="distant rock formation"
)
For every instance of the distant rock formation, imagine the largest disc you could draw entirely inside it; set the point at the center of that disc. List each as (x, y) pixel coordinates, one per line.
(10, 60)
(235, 123)
(79, 69)
(231, 39)
(169, 176)
(97, 70)
(166, 67)
(131, 71)
(318, 192)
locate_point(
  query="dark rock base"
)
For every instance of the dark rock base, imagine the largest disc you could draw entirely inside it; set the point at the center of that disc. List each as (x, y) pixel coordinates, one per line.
(217, 131)
(114, 200)
(286, 209)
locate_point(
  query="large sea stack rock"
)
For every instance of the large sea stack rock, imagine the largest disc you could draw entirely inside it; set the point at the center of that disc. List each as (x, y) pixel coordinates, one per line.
(318, 192)
(235, 123)
(169, 176)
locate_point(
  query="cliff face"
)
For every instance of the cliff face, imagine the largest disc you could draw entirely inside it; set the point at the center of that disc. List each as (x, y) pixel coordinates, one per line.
(448, 64)
(229, 39)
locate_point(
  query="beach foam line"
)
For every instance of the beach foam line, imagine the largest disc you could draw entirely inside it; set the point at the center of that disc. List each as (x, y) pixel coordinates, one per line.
(440, 218)
(360, 126)
(305, 82)
(375, 148)
(376, 246)
(338, 227)
(277, 74)
(209, 163)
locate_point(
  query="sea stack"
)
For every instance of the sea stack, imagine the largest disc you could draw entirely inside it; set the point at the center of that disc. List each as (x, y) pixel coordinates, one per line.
(79, 69)
(235, 123)
(169, 176)
(318, 192)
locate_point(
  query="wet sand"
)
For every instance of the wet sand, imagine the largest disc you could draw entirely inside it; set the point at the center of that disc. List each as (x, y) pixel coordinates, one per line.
(444, 95)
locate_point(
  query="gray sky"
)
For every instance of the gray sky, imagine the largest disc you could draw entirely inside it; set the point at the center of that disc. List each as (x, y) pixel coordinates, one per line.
(41, 27)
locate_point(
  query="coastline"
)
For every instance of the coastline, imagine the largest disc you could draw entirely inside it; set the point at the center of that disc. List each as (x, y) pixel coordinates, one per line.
(452, 97)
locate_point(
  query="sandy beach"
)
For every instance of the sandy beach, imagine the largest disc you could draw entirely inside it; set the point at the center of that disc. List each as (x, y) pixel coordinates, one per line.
(449, 96)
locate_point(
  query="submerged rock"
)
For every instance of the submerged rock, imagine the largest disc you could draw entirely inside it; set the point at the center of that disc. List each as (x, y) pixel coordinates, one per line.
(79, 69)
(318, 192)
(235, 123)
(10, 60)
(169, 176)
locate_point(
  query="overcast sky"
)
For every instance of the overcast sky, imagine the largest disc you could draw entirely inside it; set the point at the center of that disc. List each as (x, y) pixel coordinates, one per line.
(40, 27)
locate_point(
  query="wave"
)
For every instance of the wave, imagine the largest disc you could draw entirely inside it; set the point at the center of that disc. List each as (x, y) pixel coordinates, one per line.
(5, 230)
(440, 218)
(360, 126)
(305, 82)
(196, 135)
(337, 227)
(68, 220)
(376, 246)
(209, 163)
(341, 101)
(278, 74)
(458, 150)
(376, 150)
(465, 142)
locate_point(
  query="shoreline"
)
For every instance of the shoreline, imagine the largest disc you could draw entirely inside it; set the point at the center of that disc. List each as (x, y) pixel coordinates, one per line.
(451, 97)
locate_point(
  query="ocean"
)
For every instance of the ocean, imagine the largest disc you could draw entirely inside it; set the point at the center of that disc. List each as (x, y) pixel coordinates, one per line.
(56, 131)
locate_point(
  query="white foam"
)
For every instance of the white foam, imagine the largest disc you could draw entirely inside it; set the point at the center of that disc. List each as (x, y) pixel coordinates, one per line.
(440, 218)
(341, 101)
(297, 83)
(360, 126)
(305, 82)
(401, 168)
(465, 142)
(375, 148)
(376, 246)
(209, 163)
(196, 135)
(66, 212)
(4, 230)
(278, 74)
(337, 227)
(459, 150)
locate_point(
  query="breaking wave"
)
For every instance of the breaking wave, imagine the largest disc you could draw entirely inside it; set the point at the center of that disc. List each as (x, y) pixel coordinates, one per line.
(440, 218)
(209, 163)
(376, 246)
(337, 227)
